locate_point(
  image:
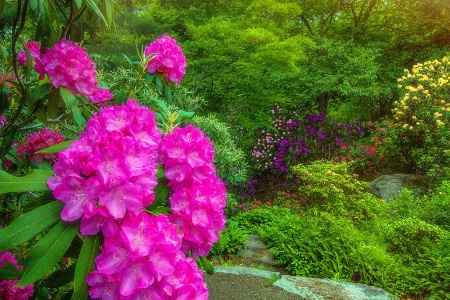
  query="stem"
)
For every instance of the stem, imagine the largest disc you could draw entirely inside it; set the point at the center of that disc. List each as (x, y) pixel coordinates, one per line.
(16, 30)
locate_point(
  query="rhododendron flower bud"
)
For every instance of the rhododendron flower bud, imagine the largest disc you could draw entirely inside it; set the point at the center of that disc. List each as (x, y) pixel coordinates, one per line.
(40, 140)
(8, 289)
(167, 58)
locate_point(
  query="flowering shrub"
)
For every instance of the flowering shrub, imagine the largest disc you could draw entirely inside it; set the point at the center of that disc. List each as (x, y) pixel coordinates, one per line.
(40, 140)
(8, 288)
(419, 137)
(168, 58)
(149, 205)
(294, 140)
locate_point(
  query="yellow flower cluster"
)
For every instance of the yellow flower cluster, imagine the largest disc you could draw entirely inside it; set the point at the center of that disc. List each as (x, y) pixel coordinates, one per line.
(425, 93)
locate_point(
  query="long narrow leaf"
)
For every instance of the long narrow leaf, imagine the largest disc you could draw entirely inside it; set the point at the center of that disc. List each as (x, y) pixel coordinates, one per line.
(56, 148)
(28, 225)
(85, 265)
(48, 251)
(93, 6)
(34, 182)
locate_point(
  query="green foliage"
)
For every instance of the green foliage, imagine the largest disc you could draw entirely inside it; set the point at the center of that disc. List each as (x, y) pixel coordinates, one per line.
(315, 247)
(330, 187)
(230, 161)
(231, 241)
(410, 237)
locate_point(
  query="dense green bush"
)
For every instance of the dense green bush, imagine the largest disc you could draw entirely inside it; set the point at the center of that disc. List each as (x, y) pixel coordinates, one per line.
(231, 241)
(230, 160)
(331, 187)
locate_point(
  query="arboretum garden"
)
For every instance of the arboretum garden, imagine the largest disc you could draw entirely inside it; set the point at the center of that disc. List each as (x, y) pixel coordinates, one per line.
(141, 138)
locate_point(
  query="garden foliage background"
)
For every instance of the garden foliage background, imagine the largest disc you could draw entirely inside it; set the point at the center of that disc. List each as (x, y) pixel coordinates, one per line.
(304, 102)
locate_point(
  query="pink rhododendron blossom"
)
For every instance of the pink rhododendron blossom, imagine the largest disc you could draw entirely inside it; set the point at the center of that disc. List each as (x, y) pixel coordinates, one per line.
(167, 58)
(144, 261)
(40, 140)
(199, 196)
(8, 289)
(2, 120)
(110, 170)
(69, 66)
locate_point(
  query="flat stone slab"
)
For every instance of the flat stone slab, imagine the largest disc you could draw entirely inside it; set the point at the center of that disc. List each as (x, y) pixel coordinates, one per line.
(314, 288)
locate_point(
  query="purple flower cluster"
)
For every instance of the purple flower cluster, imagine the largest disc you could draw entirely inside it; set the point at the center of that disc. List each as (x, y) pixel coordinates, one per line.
(294, 140)
(199, 197)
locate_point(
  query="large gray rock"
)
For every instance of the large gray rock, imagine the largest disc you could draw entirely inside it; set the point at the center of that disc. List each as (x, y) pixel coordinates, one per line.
(387, 187)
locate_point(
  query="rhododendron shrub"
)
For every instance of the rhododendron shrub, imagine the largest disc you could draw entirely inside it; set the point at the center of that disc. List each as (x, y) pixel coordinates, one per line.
(8, 288)
(132, 211)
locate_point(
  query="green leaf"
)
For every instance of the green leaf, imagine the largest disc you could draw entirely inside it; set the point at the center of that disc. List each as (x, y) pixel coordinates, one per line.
(2, 5)
(159, 83)
(150, 77)
(9, 271)
(48, 251)
(59, 278)
(77, 116)
(78, 3)
(40, 92)
(85, 264)
(34, 182)
(93, 6)
(159, 210)
(205, 265)
(109, 11)
(56, 148)
(69, 99)
(161, 105)
(184, 115)
(168, 94)
(161, 192)
(29, 225)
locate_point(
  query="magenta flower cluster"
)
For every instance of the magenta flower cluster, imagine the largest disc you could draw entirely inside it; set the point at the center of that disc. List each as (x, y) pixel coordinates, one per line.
(167, 58)
(144, 261)
(69, 66)
(110, 170)
(199, 197)
(8, 289)
(37, 141)
(107, 179)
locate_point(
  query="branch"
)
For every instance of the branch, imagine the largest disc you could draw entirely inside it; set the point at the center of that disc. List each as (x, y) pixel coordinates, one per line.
(16, 30)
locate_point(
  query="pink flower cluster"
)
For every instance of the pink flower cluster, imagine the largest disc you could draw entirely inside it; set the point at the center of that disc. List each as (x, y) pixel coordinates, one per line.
(110, 170)
(107, 178)
(144, 261)
(8, 289)
(168, 58)
(199, 196)
(40, 140)
(69, 66)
